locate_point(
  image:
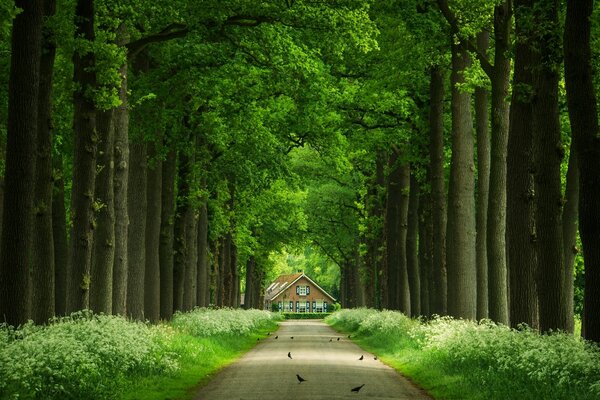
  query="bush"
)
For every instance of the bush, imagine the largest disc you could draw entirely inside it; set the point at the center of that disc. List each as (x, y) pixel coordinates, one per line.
(205, 322)
(493, 361)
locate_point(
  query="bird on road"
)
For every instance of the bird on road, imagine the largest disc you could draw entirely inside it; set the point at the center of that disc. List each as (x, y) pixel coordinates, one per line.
(289, 354)
(269, 334)
(375, 358)
(361, 358)
(349, 336)
(292, 337)
(300, 379)
(338, 339)
(277, 337)
(356, 389)
(330, 340)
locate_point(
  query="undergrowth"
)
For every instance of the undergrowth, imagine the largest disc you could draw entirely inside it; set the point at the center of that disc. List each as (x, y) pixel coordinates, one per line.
(90, 356)
(457, 359)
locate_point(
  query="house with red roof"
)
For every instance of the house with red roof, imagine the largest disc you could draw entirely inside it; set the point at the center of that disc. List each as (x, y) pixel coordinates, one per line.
(297, 293)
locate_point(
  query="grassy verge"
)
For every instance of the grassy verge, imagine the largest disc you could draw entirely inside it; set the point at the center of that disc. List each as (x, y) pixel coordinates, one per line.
(108, 357)
(305, 315)
(455, 359)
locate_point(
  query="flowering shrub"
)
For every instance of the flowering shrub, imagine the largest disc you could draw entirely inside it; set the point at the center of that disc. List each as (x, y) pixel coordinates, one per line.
(88, 356)
(205, 322)
(498, 362)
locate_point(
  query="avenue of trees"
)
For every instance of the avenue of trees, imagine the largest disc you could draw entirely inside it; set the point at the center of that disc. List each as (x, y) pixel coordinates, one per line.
(443, 154)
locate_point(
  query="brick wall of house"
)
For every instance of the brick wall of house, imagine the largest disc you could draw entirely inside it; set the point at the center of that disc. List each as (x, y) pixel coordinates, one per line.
(315, 295)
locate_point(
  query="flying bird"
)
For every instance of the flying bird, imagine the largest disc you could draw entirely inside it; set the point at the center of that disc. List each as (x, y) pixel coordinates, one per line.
(357, 389)
(300, 379)
(361, 358)
(289, 354)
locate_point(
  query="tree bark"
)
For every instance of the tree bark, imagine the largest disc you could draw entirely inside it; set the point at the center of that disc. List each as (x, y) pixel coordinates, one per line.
(412, 253)
(584, 125)
(522, 253)
(483, 185)
(180, 242)
(496, 224)
(426, 253)
(203, 273)
(42, 272)
(169, 169)
(570, 233)
(84, 159)
(547, 156)
(121, 186)
(250, 283)
(104, 239)
(153, 229)
(59, 234)
(191, 264)
(136, 240)
(439, 286)
(461, 260)
(15, 258)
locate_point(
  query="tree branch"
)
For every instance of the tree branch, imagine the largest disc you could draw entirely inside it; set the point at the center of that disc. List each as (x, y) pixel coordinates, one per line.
(172, 31)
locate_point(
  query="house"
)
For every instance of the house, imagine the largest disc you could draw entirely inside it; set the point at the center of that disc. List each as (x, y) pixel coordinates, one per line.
(297, 293)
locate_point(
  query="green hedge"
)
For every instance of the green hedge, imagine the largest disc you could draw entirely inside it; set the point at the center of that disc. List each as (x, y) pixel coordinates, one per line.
(305, 315)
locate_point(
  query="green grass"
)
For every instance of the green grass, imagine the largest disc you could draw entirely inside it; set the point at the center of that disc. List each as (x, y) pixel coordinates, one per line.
(88, 356)
(455, 359)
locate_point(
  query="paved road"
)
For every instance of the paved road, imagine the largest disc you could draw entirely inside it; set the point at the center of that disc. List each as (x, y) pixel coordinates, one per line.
(331, 370)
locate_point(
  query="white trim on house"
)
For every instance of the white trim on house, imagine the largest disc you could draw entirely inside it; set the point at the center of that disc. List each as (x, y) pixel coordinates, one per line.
(285, 286)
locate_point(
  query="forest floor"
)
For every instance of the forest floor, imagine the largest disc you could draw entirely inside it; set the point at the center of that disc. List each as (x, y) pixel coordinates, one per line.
(331, 368)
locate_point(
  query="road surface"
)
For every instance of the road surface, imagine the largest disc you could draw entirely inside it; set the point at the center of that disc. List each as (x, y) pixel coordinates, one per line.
(331, 369)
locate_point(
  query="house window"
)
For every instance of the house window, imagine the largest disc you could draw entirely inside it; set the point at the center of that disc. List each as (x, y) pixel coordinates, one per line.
(308, 306)
(280, 306)
(324, 306)
(302, 290)
(314, 306)
(291, 306)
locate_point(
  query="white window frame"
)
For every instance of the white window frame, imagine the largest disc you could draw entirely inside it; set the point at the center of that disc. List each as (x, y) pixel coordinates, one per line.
(301, 290)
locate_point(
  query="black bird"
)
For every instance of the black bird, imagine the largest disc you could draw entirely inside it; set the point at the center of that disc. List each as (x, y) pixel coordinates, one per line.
(375, 358)
(349, 336)
(361, 358)
(300, 379)
(269, 334)
(277, 337)
(330, 340)
(356, 389)
(291, 337)
(258, 339)
(289, 354)
(338, 339)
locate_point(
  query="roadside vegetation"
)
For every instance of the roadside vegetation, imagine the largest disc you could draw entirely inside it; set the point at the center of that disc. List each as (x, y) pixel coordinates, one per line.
(458, 359)
(91, 356)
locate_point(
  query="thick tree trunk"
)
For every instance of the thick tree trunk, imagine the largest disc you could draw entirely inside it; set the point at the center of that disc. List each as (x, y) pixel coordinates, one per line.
(570, 233)
(522, 254)
(483, 185)
(426, 253)
(136, 240)
(169, 170)
(235, 293)
(249, 295)
(181, 217)
(42, 271)
(584, 125)
(496, 224)
(439, 287)
(203, 273)
(104, 238)
(121, 185)
(191, 264)
(59, 234)
(153, 228)
(462, 269)
(15, 302)
(412, 253)
(226, 272)
(84, 160)
(547, 156)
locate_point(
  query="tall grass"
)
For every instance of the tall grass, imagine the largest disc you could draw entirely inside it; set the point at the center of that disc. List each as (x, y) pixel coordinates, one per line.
(456, 359)
(88, 356)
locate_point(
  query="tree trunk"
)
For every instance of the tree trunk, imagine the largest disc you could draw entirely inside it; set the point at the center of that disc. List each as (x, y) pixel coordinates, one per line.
(426, 253)
(250, 283)
(42, 272)
(104, 239)
(121, 186)
(84, 159)
(412, 254)
(439, 286)
(522, 254)
(584, 125)
(191, 264)
(219, 271)
(462, 269)
(483, 185)
(570, 233)
(203, 273)
(226, 273)
(496, 224)
(153, 229)
(547, 156)
(235, 292)
(136, 240)
(169, 169)
(181, 216)
(59, 234)
(15, 302)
